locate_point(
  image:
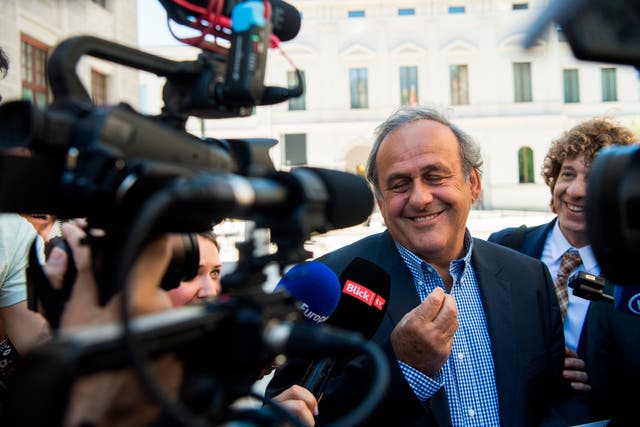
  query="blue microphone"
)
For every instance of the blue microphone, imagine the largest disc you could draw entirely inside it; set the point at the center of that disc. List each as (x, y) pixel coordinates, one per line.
(365, 291)
(315, 286)
(626, 298)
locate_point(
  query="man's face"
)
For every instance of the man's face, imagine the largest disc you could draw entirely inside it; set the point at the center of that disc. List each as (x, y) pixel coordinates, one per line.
(568, 200)
(41, 222)
(426, 199)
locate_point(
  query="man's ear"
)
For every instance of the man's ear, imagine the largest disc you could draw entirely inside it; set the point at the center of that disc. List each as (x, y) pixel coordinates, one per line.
(475, 183)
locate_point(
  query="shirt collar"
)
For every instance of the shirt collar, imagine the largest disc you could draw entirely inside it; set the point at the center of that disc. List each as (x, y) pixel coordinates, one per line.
(457, 265)
(558, 245)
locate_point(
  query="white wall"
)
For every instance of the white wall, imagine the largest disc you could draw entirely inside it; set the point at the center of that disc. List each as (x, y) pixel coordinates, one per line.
(487, 38)
(52, 21)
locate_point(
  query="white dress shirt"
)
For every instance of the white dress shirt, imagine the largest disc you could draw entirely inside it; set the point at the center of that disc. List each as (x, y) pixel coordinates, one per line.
(554, 247)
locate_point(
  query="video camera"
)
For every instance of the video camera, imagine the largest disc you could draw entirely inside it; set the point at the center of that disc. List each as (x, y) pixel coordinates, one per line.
(135, 176)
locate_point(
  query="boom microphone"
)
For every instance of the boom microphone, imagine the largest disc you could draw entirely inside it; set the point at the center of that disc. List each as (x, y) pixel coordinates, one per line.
(361, 309)
(285, 18)
(323, 199)
(315, 286)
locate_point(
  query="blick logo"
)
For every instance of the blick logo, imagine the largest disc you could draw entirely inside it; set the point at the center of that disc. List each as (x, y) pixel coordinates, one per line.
(364, 294)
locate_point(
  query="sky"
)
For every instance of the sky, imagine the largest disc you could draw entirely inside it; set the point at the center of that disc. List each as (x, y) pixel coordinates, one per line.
(152, 25)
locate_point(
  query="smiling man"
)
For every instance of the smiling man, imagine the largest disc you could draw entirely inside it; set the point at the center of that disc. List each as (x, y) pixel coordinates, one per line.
(565, 170)
(473, 332)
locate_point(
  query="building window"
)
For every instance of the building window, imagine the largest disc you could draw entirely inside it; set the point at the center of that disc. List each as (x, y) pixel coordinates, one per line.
(299, 103)
(295, 149)
(98, 87)
(609, 85)
(520, 5)
(525, 165)
(406, 12)
(522, 81)
(409, 85)
(456, 9)
(102, 3)
(561, 36)
(571, 85)
(358, 82)
(458, 75)
(33, 67)
(355, 14)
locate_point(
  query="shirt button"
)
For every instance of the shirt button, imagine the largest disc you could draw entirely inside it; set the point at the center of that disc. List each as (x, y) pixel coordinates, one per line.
(460, 355)
(471, 412)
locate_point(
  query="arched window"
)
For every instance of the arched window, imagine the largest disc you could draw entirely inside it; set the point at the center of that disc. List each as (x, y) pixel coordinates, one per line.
(525, 165)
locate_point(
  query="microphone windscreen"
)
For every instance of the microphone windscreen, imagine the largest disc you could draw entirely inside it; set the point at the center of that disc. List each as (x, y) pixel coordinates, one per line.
(285, 18)
(626, 298)
(363, 304)
(315, 286)
(350, 197)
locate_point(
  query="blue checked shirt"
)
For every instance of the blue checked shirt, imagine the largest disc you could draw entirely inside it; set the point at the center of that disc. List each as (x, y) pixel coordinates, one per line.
(468, 375)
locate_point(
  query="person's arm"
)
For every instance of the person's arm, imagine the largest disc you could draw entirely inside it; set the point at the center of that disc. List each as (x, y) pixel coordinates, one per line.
(25, 328)
(116, 397)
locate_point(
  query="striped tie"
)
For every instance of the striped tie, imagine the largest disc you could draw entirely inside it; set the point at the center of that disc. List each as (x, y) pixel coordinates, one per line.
(570, 260)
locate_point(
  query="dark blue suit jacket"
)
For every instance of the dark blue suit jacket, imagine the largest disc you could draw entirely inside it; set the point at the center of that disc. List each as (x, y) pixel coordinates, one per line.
(524, 327)
(532, 244)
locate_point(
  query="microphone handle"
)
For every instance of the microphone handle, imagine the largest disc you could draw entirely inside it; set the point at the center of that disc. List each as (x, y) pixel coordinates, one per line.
(317, 375)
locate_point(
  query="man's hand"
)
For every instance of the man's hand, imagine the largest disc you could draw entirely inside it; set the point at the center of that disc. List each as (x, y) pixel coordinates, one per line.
(424, 336)
(574, 371)
(114, 398)
(300, 403)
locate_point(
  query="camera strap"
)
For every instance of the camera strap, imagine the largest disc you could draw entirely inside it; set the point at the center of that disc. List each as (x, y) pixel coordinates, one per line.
(41, 295)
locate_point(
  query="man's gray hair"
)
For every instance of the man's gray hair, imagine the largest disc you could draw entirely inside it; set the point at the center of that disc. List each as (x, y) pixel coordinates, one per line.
(469, 149)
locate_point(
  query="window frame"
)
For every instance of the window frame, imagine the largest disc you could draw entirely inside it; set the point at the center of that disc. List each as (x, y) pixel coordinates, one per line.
(356, 83)
(571, 93)
(408, 77)
(291, 151)
(459, 90)
(522, 83)
(33, 70)
(609, 94)
(525, 166)
(356, 13)
(99, 87)
(298, 103)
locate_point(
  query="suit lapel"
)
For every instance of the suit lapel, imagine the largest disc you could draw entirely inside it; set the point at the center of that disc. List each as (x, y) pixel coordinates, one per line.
(403, 296)
(495, 291)
(535, 239)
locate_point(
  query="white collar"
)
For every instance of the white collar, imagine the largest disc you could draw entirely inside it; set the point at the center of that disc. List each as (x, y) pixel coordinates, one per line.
(558, 245)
